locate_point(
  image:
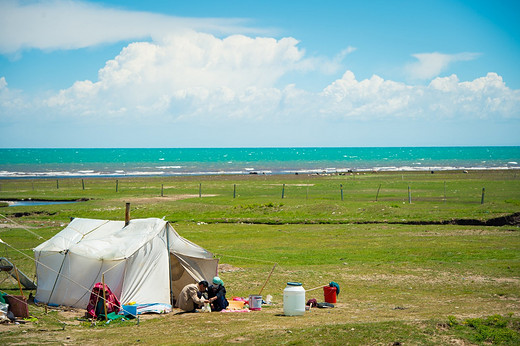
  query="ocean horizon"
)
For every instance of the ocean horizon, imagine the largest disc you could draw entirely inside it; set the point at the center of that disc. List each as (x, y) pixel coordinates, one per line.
(85, 162)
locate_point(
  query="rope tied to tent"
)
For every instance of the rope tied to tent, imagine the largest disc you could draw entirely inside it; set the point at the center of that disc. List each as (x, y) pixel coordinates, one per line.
(58, 273)
(22, 226)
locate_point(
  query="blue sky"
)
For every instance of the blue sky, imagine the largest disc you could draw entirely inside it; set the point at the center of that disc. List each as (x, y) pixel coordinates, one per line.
(259, 73)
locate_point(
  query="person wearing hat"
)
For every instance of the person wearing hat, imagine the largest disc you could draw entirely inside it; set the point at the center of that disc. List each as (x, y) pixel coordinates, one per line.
(217, 295)
(189, 299)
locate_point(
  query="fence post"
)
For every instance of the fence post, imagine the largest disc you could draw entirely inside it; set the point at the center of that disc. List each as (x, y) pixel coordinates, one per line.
(57, 184)
(283, 190)
(117, 185)
(409, 195)
(341, 188)
(234, 190)
(200, 190)
(162, 190)
(483, 192)
(377, 194)
(82, 184)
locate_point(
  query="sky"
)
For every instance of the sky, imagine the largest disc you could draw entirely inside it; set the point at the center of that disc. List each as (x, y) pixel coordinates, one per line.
(126, 73)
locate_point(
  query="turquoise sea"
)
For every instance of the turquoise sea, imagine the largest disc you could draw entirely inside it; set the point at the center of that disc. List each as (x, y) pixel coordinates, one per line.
(18, 163)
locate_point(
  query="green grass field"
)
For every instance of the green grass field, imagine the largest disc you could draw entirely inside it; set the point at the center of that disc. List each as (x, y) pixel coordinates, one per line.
(442, 269)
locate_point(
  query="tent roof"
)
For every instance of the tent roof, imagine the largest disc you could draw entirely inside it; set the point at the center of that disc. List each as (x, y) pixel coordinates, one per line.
(112, 240)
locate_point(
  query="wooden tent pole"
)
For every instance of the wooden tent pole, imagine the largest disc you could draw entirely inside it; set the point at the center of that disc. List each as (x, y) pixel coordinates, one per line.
(104, 296)
(18, 279)
(127, 214)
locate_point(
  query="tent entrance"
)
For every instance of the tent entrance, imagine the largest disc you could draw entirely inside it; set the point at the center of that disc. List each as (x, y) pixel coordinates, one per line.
(179, 277)
(186, 270)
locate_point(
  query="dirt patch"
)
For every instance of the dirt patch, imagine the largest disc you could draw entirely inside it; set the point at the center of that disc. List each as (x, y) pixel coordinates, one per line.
(429, 278)
(12, 225)
(291, 184)
(228, 268)
(460, 232)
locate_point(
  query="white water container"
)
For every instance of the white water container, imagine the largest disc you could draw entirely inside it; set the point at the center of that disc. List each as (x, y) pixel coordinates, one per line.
(293, 299)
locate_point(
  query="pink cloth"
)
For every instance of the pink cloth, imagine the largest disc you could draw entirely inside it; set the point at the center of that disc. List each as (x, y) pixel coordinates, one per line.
(97, 295)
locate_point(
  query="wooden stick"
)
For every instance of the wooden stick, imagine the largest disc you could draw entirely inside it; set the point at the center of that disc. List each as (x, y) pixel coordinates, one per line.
(18, 279)
(265, 283)
(315, 288)
(104, 296)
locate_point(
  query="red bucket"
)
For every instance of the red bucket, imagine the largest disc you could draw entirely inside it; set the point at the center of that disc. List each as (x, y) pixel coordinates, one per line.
(18, 306)
(330, 294)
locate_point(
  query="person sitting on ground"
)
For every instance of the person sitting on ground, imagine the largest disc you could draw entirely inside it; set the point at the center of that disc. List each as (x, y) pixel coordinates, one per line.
(189, 299)
(217, 295)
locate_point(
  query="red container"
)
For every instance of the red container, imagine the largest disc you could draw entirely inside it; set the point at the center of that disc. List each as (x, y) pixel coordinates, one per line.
(18, 306)
(330, 294)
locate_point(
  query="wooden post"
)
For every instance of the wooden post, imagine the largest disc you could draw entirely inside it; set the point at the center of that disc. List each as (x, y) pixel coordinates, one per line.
(307, 193)
(483, 191)
(234, 190)
(341, 188)
(104, 296)
(283, 190)
(57, 184)
(162, 190)
(265, 283)
(200, 190)
(117, 185)
(127, 214)
(409, 195)
(444, 191)
(377, 194)
(83, 184)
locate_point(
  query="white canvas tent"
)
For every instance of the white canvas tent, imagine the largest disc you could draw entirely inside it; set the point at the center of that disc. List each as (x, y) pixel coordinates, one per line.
(146, 262)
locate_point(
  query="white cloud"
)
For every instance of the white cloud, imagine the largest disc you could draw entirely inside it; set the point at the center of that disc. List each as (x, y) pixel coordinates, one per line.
(199, 76)
(69, 24)
(376, 98)
(151, 76)
(329, 66)
(430, 65)
(3, 84)
(194, 78)
(11, 101)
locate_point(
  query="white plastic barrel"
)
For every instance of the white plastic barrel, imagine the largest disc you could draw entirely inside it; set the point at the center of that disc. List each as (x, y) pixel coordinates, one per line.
(293, 299)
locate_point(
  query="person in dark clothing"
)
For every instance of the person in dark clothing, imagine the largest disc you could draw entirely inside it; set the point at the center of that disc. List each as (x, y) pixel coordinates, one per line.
(217, 295)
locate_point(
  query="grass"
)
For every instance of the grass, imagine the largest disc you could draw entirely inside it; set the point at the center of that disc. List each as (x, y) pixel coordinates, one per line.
(405, 276)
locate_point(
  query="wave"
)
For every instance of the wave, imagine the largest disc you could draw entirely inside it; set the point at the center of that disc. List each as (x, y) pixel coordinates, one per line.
(185, 172)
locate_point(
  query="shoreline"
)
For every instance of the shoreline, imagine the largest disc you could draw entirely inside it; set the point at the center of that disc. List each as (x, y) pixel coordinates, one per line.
(247, 171)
